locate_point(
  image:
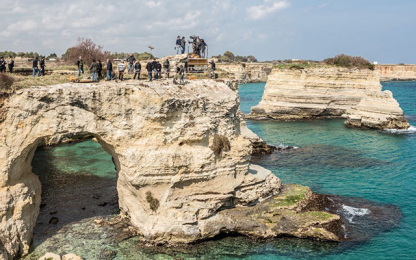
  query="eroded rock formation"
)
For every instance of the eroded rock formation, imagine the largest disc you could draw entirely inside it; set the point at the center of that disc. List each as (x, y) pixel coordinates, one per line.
(247, 72)
(325, 92)
(178, 150)
(396, 72)
(378, 110)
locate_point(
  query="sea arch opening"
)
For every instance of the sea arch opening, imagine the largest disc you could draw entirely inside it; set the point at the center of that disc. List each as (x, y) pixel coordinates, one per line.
(78, 175)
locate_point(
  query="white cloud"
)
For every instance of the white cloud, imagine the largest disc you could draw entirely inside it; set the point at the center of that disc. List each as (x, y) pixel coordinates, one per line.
(268, 7)
(153, 4)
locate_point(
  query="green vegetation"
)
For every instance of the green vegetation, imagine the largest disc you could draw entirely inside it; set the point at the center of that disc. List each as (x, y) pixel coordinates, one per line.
(29, 81)
(153, 202)
(290, 196)
(348, 61)
(228, 56)
(302, 65)
(221, 143)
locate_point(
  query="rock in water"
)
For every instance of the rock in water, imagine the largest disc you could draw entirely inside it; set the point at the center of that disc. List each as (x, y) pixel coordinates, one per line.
(161, 138)
(378, 110)
(329, 92)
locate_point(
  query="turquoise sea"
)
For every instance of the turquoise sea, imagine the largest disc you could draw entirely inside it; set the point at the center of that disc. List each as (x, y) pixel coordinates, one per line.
(330, 158)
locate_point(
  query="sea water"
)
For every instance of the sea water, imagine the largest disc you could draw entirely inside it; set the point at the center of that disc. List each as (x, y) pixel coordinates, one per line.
(379, 166)
(375, 165)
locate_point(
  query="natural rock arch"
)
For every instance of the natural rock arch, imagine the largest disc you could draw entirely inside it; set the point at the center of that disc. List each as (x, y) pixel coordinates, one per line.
(160, 135)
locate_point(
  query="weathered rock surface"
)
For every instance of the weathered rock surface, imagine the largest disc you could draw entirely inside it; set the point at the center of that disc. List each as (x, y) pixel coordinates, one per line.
(396, 72)
(247, 72)
(315, 92)
(378, 110)
(296, 211)
(259, 146)
(328, 92)
(170, 181)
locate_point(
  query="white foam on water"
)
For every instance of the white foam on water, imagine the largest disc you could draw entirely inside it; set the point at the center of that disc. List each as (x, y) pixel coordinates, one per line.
(351, 212)
(410, 130)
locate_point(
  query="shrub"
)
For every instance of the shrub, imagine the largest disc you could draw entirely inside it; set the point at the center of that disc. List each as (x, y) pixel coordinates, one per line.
(221, 143)
(348, 61)
(6, 81)
(153, 202)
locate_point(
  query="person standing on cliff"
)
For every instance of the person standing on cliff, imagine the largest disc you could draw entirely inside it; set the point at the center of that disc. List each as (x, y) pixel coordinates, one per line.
(94, 69)
(42, 66)
(166, 66)
(159, 70)
(137, 69)
(10, 64)
(131, 61)
(121, 68)
(212, 70)
(149, 69)
(183, 44)
(80, 65)
(202, 46)
(154, 65)
(36, 67)
(100, 69)
(2, 65)
(109, 69)
(178, 45)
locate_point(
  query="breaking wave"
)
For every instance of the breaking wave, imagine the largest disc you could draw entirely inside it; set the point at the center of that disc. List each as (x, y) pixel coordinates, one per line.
(351, 212)
(410, 130)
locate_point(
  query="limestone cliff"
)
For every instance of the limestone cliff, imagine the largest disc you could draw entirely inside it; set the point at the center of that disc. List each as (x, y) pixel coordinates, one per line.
(396, 72)
(178, 150)
(378, 110)
(324, 92)
(246, 72)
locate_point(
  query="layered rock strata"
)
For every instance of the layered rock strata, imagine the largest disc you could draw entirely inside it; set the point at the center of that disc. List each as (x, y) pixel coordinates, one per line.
(396, 72)
(247, 72)
(378, 110)
(325, 92)
(179, 152)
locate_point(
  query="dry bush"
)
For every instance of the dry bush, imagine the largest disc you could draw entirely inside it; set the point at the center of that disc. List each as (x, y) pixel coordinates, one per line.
(348, 61)
(153, 202)
(88, 50)
(221, 143)
(6, 82)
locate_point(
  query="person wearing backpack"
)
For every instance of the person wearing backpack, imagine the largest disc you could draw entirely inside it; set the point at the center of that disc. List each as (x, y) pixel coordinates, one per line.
(121, 68)
(36, 67)
(80, 65)
(149, 69)
(94, 69)
(137, 69)
(10, 65)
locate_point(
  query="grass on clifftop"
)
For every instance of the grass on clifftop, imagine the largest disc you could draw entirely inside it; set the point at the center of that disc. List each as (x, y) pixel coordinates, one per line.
(29, 81)
(285, 66)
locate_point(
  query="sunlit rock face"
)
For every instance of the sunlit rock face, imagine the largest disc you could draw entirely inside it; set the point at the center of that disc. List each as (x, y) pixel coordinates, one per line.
(328, 92)
(396, 72)
(247, 72)
(173, 173)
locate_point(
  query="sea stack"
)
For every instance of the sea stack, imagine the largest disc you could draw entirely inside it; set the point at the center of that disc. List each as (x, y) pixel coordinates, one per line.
(328, 92)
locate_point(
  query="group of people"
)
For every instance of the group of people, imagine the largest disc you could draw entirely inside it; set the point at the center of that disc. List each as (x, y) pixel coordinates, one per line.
(198, 46)
(9, 63)
(38, 66)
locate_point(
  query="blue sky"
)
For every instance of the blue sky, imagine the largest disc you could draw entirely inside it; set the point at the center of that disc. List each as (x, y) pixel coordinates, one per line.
(379, 30)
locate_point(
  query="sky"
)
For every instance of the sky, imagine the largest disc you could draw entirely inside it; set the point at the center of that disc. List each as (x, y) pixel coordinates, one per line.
(378, 30)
